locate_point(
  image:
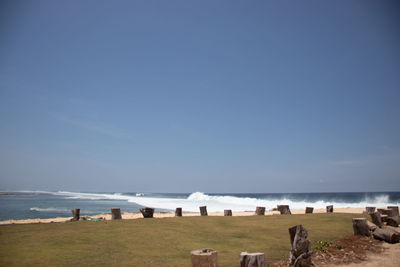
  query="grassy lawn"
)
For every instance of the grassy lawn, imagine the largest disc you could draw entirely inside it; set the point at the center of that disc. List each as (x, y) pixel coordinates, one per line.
(161, 242)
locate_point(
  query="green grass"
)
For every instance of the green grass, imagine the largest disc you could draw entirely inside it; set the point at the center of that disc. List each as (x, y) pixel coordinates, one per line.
(161, 242)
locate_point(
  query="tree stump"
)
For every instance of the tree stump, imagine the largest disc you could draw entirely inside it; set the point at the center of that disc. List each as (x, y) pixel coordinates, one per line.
(387, 235)
(300, 254)
(284, 209)
(260, 211)
(227, 212)
(147, 212)
(395, 208)
(384, 217)
(252, 259)
(360, 227)
(376, 219)
(329, 209)
(203, 211)
(393, 221)
(75, 214)
(204, 258)
(388, 212)
(371, 226)
(309, 209)
(178, 212)
(370, 210)
(116, 214)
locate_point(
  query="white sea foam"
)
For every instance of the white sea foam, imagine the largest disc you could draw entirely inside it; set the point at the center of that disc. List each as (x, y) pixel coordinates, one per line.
(48, 209)
(219, 203)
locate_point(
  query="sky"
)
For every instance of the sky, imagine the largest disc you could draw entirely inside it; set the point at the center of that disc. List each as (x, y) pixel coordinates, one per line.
(210, 96)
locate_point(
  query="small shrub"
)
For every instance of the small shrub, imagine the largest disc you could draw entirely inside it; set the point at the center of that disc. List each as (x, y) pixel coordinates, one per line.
(322, 245)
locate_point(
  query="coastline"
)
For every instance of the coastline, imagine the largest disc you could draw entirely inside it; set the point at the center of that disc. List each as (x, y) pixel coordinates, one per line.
(158, 215)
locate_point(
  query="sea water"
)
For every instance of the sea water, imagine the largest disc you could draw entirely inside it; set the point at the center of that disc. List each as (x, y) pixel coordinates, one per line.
(43, 204)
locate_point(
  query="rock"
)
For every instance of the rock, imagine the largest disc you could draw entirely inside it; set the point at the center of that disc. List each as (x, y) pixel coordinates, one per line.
(147, 212)
(116, 214)
(284, 209)
(260, 210)
(227, 212)
(309, 209)
(178, 212)
(360, 227)
(252, 259)
(203, 211)
(329, 209)
(204, 258)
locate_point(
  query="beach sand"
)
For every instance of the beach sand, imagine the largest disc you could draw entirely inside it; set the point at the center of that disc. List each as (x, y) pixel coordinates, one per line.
(137, 215)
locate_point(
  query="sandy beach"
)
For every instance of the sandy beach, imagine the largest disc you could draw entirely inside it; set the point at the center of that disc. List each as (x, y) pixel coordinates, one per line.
(138, 215)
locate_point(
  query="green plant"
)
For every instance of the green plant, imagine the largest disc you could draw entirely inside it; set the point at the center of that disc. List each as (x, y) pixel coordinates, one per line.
(322, 245)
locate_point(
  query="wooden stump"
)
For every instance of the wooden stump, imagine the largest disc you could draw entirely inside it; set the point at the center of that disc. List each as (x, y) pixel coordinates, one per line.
(395, 208)
(393, 221)
(376, 219)
(329, 209)
(147, 212)
(284, 209)
(252, 259)
(387, 235)
(300, 254)
(384, 217)
(260, 211)
(370, 210)
(227, 212)
(388, 212)
(371, 226)
(360, 227)
(178, 212)
(116, 214)
(203, 211)
(309, 209)
(75, 214)
(204, 258)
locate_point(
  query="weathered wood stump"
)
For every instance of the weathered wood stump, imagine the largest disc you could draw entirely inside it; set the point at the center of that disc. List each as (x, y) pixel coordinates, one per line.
(75, 214)
(370, 210)
(284, 209)
(116, 214)
(393, 221)
(384, 217)
(252, 259)
(387, 235)
(203, 211)
(260, 210)
(227, 212)
(371, 226)
(360, 227)
(388, 212)
(147, 212)
(300, 254)
(309, 209)
(204, 258)
(329, 209)
(178, 212)
(395, 208)
(376, 219)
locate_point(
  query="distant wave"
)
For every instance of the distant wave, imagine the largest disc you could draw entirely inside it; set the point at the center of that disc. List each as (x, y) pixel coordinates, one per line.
(49, 209)
(221, 202)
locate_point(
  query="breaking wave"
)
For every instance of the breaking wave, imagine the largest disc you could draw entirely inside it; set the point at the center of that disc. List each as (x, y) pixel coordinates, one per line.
(49, 209)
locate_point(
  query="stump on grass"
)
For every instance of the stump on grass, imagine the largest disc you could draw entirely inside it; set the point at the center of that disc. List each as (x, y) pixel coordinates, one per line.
(393, 221)
(178, 212)
(75, 214)
(388, 212)
(309, 209)
(284, 209)
(376, 219)
(227, 212)
(387, 235)
(370, 210)
(395, 208)
(204, 258)
(147, 212)
(116, 214)
(260, 211)
(360, 227)
(329, 209)
(300, 254)
(252, 259)
(203, 211)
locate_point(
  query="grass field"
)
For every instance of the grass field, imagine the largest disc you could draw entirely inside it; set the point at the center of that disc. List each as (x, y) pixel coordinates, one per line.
(161, 242)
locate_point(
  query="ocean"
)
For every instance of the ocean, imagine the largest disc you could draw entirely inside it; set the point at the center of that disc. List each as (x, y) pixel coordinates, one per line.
(43, 204)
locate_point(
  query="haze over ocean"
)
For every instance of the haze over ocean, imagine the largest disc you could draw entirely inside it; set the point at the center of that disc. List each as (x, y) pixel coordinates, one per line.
(209, 96)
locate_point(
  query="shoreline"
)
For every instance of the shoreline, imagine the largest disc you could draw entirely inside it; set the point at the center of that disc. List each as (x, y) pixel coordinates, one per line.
(158, 215)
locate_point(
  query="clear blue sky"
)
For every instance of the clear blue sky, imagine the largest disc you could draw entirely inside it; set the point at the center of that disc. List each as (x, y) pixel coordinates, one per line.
(214, 96)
